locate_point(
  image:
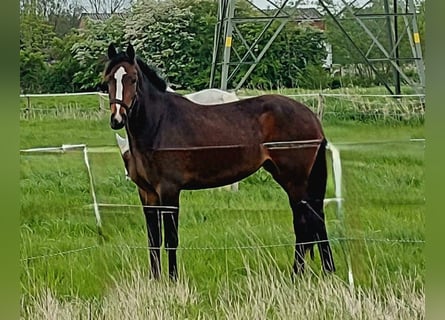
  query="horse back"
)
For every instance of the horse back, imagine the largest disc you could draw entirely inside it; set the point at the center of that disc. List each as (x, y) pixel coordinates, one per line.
(247, 121)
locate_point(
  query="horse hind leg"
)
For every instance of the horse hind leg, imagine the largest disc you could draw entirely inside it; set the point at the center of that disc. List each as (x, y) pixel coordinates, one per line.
(304, 240)
(310, 229)
(295, 193)
(317, 229)
(316, 190)
(306, 199)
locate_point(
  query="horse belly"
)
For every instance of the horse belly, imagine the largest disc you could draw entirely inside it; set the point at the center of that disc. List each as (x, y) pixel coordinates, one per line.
(214, 167)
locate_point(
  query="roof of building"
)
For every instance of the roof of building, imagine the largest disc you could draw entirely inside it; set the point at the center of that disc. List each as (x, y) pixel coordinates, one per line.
(101, 16)
(308, 14)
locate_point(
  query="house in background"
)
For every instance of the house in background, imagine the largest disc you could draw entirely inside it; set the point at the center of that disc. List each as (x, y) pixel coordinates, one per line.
(310, 16)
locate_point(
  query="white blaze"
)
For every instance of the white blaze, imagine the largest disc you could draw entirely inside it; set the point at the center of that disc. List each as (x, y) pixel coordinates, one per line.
(119, 75)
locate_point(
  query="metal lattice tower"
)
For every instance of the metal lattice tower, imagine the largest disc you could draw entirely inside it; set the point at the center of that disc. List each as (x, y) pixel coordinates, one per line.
(398, 16)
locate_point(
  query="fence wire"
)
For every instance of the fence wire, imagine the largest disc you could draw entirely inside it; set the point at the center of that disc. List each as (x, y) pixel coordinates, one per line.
(342, 105)
(228, 248)
(338, 198)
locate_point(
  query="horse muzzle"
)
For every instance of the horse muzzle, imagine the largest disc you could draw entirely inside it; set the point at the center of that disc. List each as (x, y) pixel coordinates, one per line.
(116, 123)
(119, 116)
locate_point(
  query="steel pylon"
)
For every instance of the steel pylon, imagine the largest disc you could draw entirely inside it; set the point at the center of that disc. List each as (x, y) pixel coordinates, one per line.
(232, 50)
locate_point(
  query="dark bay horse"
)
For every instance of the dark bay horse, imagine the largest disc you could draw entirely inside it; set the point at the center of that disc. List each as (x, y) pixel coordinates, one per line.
(176, 144)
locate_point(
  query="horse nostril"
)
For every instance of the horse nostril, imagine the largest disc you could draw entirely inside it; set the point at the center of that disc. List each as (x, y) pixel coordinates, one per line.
(113, 122)
(116, 124)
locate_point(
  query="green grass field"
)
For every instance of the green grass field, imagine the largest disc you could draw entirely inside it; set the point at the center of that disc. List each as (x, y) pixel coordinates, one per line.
(236, 249)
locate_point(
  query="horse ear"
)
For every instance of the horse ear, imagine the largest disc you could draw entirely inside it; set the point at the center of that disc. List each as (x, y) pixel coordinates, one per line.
(130, 52)
(111, 51)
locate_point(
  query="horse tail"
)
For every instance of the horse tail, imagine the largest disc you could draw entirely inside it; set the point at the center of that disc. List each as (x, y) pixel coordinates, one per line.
(316, 187)
(316, 191)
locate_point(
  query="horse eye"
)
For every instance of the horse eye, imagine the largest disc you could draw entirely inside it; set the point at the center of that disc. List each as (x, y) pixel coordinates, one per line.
(103, 87)
(133, 81)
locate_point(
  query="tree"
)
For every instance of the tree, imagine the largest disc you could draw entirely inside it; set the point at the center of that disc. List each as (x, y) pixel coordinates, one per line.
(61, 14)
(108, 6)
(36, 36)
(32, 70)
(286, 62)
(46, 64)
(196, 74)
(60, 75)
(176, 36)
(160, 33)
(90, 49)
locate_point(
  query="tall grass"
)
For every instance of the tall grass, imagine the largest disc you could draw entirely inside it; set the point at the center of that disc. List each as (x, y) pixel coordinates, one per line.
(341, 104)
(236, 248)
(370, 104)
(266, 292)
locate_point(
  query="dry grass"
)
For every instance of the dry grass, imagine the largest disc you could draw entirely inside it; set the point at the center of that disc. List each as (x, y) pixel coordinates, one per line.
(137, 297)
(265, 293)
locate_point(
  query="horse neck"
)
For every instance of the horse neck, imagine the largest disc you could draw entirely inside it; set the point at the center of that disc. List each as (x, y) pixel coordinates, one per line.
(146, 117)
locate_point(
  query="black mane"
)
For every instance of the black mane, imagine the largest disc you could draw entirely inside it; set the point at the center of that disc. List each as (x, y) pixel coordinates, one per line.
(152, 75)
(148, 71)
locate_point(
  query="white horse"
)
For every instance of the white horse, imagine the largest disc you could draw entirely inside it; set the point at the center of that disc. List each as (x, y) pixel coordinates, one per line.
(208, 97)
(212, 96)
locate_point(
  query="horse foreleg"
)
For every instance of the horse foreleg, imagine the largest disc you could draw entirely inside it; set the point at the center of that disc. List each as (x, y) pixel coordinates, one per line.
(170, 208)
(153, 220)
(171, 240)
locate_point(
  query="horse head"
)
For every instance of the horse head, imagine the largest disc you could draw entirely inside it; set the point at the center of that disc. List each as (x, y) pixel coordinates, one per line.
(121, 76)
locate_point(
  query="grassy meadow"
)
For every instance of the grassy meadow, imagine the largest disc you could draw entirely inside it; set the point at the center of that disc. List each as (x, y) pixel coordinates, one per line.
(236, 250)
